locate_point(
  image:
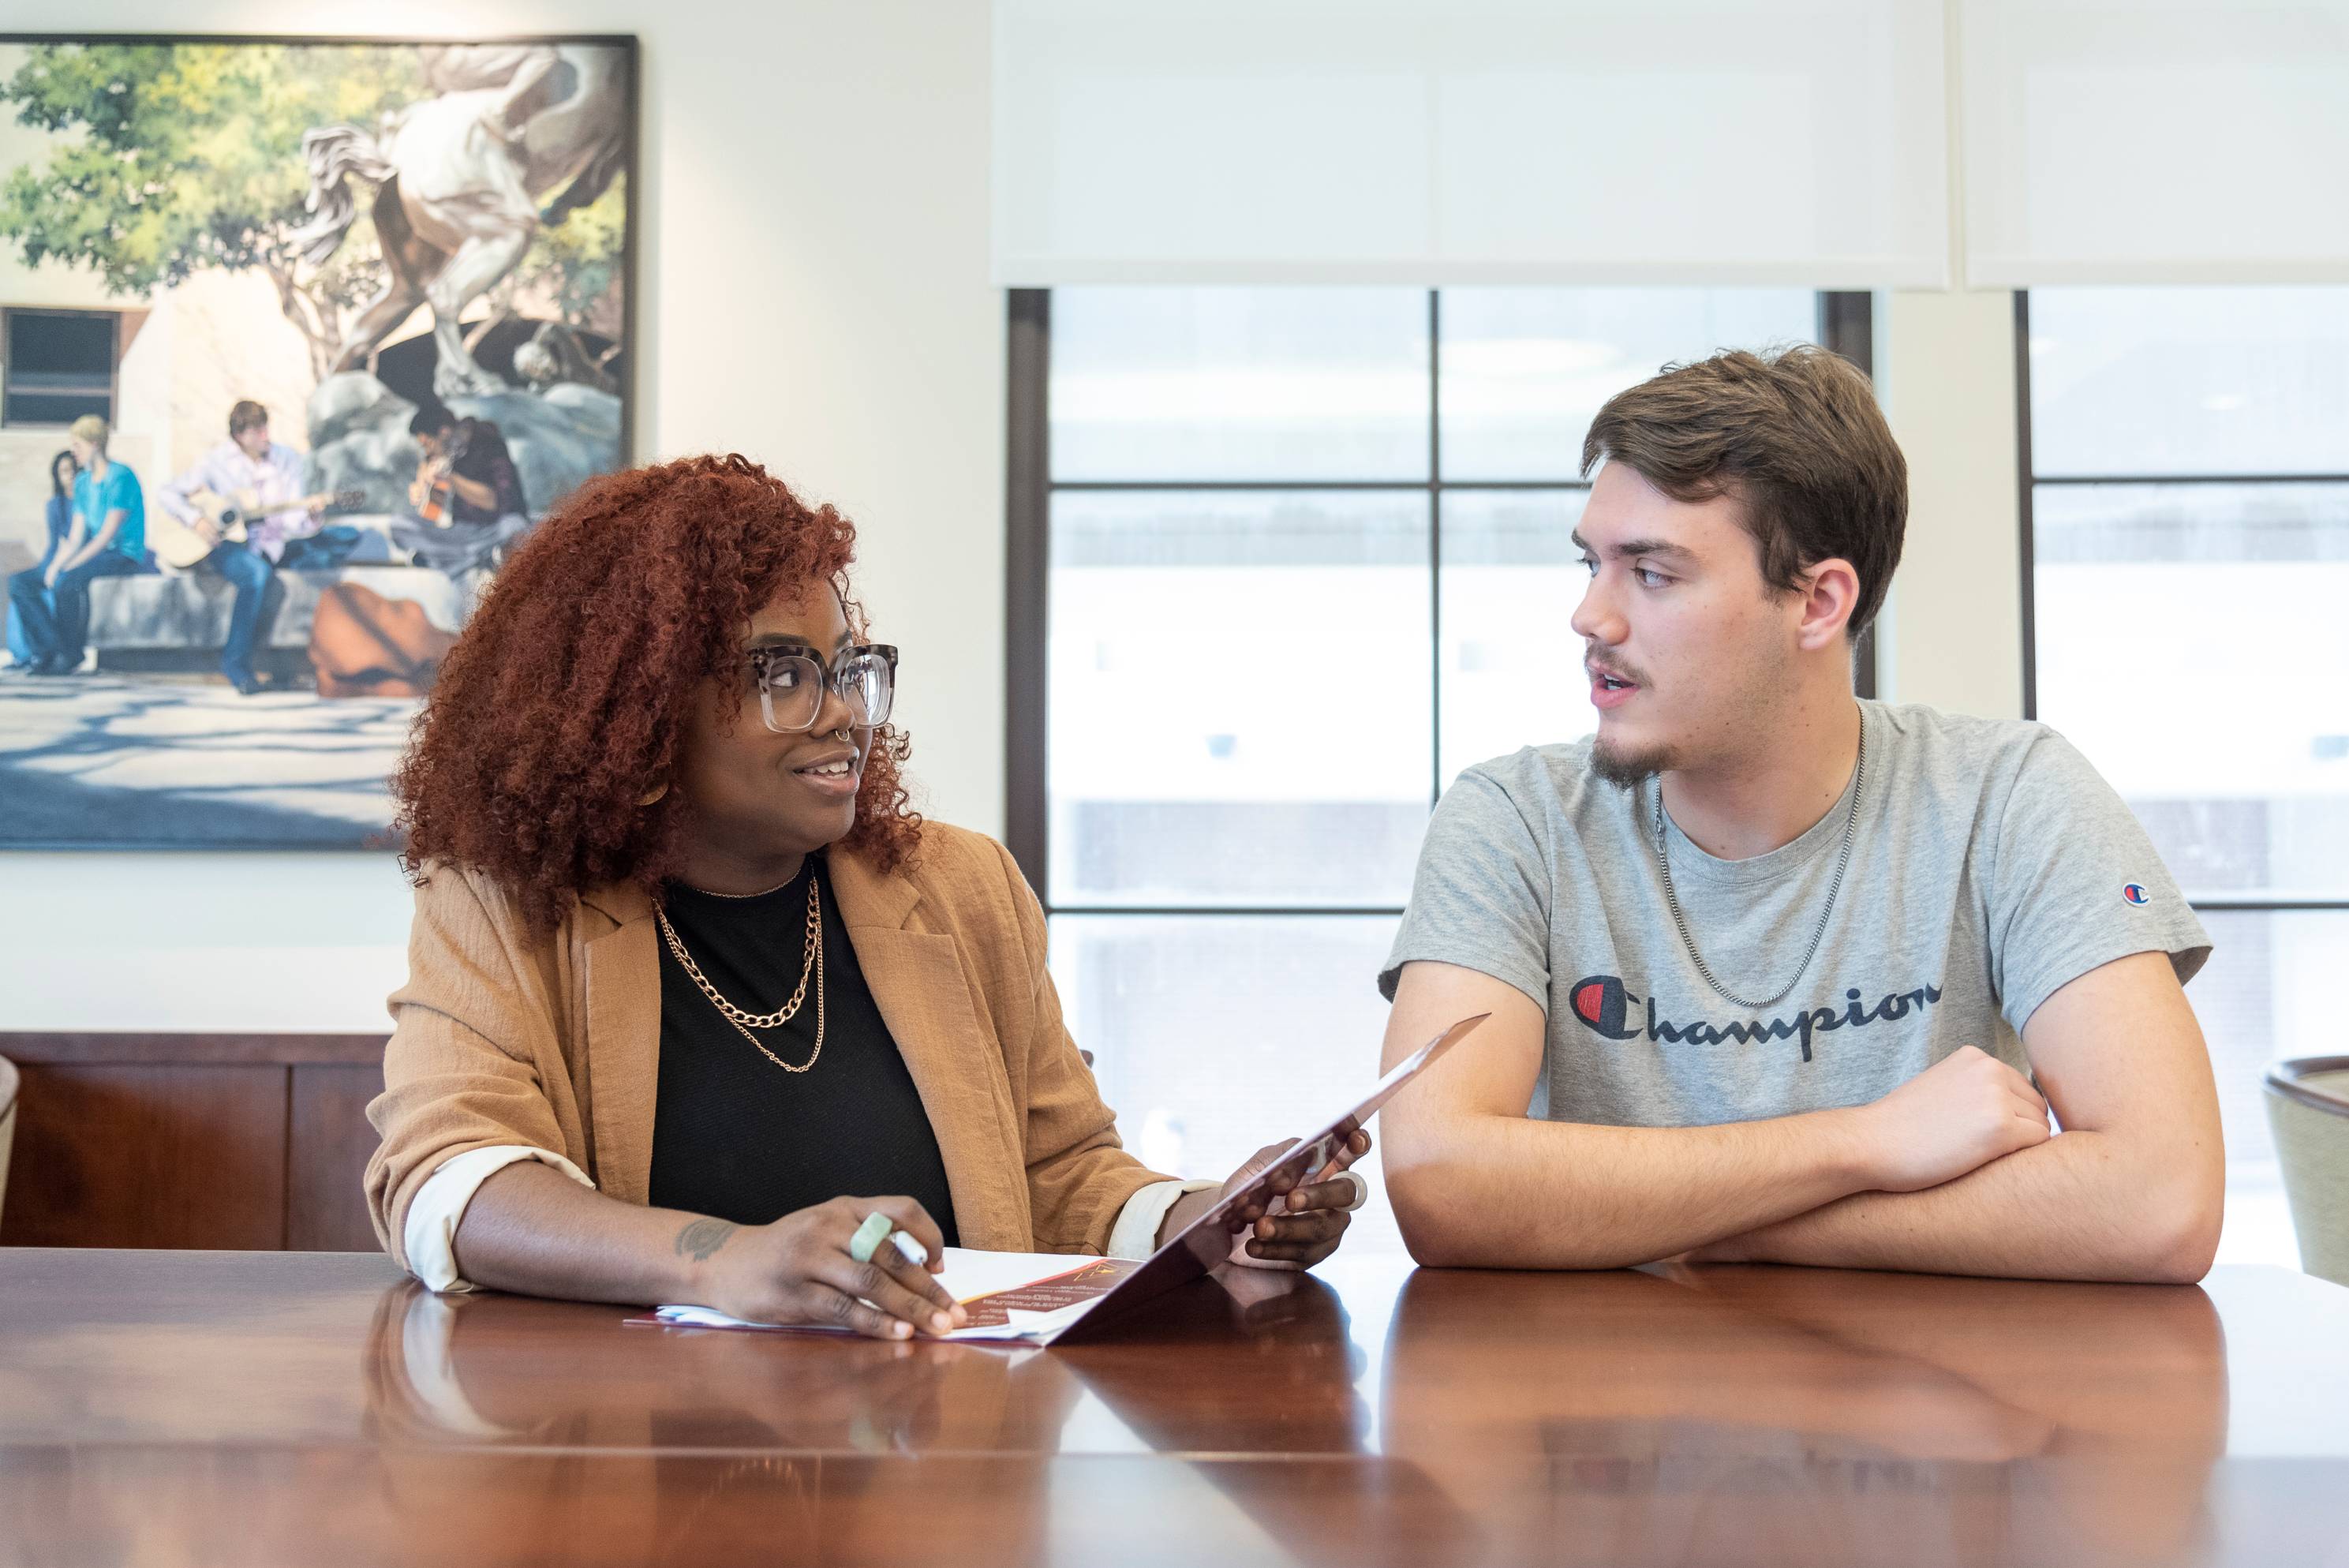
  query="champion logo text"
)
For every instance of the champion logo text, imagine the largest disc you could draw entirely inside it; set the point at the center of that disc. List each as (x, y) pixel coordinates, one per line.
(1608, 1009)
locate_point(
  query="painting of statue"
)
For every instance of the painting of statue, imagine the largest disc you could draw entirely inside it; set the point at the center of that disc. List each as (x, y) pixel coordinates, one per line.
(299, 339)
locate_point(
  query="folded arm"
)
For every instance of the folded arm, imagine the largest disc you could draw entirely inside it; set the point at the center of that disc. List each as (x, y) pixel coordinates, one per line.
(2133, 1189)
(1952, 1172)
(1477, 1184)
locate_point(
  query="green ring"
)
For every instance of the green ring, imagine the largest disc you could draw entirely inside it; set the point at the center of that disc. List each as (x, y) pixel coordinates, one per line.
(869, 1237)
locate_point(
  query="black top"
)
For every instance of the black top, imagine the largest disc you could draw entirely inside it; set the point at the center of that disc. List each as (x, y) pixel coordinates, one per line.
(736, 1136)
(483, 457)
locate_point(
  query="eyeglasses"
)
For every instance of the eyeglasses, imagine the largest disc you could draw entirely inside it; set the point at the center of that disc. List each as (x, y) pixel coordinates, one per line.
(792, 684)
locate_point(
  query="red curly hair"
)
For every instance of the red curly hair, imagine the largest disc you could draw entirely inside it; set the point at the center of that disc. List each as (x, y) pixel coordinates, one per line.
(561, 705)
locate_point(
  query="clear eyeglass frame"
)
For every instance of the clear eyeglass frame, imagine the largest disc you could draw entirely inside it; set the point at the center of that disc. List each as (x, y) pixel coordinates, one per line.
(792, 683)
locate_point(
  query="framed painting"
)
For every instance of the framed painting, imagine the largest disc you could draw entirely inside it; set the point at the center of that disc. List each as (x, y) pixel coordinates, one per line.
(299, 337)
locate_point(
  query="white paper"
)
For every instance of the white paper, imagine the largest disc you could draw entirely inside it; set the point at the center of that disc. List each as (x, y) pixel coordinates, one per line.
(969, 1273)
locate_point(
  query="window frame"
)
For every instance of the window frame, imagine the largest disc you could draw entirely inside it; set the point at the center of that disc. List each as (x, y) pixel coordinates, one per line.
(2028, 479)
(1843, 323)
(8, 317)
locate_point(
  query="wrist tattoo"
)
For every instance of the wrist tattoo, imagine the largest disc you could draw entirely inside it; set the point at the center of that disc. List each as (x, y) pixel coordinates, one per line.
(704, 1237)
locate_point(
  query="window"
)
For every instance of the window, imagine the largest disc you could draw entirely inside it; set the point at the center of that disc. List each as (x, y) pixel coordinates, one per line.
(2187, 559)
(1283, 562)
(56, 366)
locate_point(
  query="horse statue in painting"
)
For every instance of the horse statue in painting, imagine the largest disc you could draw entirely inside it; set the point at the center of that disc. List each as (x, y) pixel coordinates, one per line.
(457, 180)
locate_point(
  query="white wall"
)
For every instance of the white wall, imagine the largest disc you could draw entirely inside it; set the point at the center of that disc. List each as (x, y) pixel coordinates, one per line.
(1952, 630)
(813, 277)
(814, 283)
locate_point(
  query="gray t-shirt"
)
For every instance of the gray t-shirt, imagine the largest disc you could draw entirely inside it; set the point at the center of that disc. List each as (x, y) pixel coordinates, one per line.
(1990, 867)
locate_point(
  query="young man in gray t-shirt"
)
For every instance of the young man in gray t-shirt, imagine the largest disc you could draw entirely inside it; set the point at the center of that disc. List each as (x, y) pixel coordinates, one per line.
(1776, 974)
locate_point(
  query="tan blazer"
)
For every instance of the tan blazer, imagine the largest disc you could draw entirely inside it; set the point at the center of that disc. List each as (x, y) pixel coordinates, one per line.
(554, 1042)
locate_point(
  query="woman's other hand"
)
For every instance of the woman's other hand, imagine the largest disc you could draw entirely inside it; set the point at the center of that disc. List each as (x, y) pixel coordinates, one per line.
(1306, 1217)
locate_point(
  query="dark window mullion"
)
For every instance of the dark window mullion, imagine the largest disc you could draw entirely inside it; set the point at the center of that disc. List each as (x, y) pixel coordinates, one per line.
(1027, 577)
(1434, 549)
(2029, 586)
(1847, 326)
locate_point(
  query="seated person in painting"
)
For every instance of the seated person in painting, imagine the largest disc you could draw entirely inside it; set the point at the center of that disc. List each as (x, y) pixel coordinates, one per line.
(107, 538)
(1776, 974)
(56, 521)
(467, 495)
(691, 993)
(257, 484)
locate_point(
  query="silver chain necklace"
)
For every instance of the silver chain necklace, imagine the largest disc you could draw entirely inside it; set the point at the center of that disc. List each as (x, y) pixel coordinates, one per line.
(1665, 865)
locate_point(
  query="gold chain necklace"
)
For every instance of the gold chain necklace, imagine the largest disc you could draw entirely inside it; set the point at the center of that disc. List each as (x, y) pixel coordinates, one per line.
(811, 965)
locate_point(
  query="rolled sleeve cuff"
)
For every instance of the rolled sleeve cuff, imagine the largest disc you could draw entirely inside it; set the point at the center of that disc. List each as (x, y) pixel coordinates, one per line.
(1135, 1234)
(429, 1236)
(1502, 967)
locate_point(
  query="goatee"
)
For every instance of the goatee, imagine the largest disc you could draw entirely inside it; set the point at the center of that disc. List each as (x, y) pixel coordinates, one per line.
(1628, 770)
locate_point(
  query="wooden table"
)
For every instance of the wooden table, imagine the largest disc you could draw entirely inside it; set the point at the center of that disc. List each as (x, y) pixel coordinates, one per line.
(254, 1408)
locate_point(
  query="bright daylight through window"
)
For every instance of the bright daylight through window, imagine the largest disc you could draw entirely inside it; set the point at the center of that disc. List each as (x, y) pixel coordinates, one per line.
(1309, 558)
(2189, 535)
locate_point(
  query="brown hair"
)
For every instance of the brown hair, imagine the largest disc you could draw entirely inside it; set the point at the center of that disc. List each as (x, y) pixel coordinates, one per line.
(1793, 434)
(244, 416)
(563, 703)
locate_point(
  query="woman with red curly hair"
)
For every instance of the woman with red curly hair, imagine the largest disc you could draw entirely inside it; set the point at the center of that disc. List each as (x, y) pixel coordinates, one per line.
(688, 981)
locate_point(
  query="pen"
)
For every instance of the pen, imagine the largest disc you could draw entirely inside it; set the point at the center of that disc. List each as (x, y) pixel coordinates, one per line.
(870, 1235)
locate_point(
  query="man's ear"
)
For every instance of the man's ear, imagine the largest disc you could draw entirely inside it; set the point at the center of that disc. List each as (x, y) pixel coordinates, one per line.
(1830, 593)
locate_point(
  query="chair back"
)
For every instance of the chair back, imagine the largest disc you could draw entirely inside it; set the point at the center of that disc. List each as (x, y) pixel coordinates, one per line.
(2308, 1106)
(8, 1081)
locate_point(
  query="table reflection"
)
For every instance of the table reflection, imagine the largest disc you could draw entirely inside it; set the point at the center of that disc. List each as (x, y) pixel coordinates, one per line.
(1760, 1415)
(215, 1408)
(1261, 1363)
(1247, 1361)
(769, 1428)
(502, 1369)
(668, 1433)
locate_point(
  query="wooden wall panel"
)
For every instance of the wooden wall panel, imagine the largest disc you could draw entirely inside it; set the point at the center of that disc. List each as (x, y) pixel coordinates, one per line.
(228, 1141)
(328, 1154)
(138, 1156)
(123, 1049)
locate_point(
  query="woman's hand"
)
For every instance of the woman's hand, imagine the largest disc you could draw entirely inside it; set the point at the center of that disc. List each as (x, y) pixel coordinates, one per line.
(799, 1269)
(1306, 1219)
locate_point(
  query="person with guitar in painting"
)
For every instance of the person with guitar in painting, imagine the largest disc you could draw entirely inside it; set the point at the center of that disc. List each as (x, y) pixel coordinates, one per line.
(244, 504)
(107, 538)
(468, 499)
